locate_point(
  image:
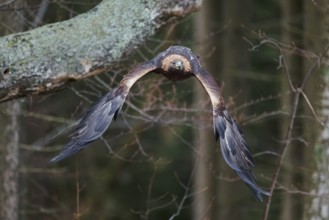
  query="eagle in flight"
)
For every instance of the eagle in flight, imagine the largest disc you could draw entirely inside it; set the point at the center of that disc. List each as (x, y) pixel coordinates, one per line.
(175, 63)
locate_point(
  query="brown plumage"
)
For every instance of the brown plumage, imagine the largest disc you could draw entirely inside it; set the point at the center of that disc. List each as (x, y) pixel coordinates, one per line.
(175, 63)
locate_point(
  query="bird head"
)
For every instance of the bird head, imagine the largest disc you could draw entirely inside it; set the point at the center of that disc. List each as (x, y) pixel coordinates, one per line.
(177, 63)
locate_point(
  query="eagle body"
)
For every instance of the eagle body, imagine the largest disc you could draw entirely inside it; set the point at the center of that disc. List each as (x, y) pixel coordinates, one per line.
(175, 63)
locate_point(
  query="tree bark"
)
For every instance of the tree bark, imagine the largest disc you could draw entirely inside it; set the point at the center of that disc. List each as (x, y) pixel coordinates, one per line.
(9, 163)
(290, 10)
(299, 154)
(235, 59)
(204, 180)
(48, 58)
(321, 175)
(315, 39)
(10, 137)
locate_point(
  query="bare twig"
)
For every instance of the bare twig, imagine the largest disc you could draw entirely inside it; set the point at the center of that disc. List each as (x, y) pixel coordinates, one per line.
(312, 109)
(77, 185)
(282, 62)
(187, 194)
(284, 150)
(297, 93)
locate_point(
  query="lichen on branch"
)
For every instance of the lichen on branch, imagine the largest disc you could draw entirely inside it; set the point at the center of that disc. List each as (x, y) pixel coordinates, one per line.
(47, 58)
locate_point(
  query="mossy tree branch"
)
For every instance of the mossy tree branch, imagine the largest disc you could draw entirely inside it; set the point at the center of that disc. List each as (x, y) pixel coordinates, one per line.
(48, 58)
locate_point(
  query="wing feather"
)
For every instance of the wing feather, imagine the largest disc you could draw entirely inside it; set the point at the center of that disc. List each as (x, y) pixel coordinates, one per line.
(93, 124)
(98, 118)
(235, 150)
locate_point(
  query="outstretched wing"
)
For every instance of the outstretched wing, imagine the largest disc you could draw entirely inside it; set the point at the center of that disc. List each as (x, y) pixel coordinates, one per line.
(99, 117)
(235, 150)
(233, 146)
(93, 124)
(249, 179)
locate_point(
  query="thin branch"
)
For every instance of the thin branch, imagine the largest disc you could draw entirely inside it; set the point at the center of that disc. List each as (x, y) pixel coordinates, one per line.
(5, 3)
(313, 67)
(41, 13)
(283, 153)
(77, 185)
(312, 109)
(187, 193)
(282, 62)
(289, 132)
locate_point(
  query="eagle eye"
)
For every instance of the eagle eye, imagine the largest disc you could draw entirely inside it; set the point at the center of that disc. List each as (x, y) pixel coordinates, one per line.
(177, 64)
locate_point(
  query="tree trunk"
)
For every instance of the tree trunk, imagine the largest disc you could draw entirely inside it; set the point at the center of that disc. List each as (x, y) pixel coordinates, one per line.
(203, 179)
(316, 39)
(321, 175)
(234, 59)
(303, 16)
(9, 162)
(290, 11)
(9, 136)
(217, 201)
(9, 156)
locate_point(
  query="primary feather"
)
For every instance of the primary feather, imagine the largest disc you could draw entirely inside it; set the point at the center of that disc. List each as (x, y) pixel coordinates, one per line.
(93, 124)
(235, 150)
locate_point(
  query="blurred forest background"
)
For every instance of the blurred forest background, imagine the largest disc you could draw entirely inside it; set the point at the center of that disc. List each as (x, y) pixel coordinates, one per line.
(159, 160)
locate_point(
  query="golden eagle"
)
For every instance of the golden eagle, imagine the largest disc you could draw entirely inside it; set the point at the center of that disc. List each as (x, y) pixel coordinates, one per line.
(175, 63)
